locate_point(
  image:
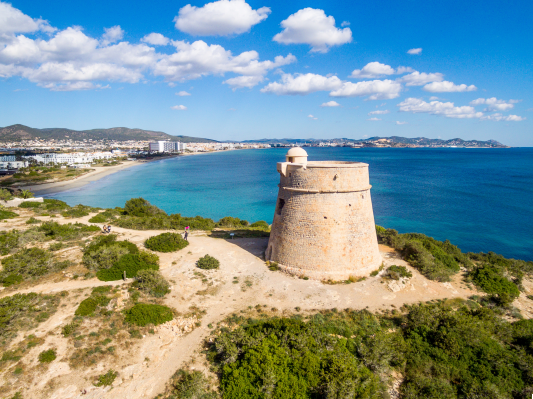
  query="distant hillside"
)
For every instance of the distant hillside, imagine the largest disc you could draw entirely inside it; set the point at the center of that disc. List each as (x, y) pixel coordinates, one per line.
(21, 132)
(421, 141)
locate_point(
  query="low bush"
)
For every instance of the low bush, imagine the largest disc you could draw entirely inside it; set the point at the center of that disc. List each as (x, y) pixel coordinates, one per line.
(20, 312)
(28, 263)
(88, 306)
(30, 204)
(166, 242)
(5, 195)
(141, 208)
(131, 264)
(106, 379)
(152, 282)
(208, 262)
(491, 281)
(7, 214)
(47, 356)
(190, 385)
(9, 241)
(143, 314)
(66, 232)
(105, 251)
(397, 272)
(32, 220)
(229, 221)
(77, 211)
(261, 224)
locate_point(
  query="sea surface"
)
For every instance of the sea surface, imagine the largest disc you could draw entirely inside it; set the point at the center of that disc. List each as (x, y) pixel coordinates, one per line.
(479, 199)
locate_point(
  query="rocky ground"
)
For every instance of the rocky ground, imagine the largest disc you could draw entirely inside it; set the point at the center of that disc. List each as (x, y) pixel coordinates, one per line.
(204, 298)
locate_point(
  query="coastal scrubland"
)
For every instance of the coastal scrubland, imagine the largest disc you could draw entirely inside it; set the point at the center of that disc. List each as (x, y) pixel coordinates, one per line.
(139, 314)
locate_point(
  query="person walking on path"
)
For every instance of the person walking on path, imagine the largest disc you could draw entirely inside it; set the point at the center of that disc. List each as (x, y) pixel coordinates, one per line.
(109, 228)
(186, 235)
(104, 228)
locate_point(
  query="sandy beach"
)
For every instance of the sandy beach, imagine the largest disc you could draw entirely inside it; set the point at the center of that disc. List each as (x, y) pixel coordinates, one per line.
(94, 175)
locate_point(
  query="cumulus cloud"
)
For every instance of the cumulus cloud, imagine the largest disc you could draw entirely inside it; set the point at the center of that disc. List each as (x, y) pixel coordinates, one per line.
(112, 35)
(330, 104)
(379, 112)
(432, 98)
(499, 117)
(312, 117)
(312, 26)
(401, 123)
(421, 78)
(155, 39)
(302, 84)
(241, 82)
(375, 89)
(224, 17)
(447, 87)
(494, 104)
(373, 70)
(183, 94)
(414, 51)
(179, 107)
(73, 86)
(14, 21)
(447, 109)
(373, 119)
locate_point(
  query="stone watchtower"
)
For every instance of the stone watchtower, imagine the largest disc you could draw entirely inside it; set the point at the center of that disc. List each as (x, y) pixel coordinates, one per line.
(323, 223)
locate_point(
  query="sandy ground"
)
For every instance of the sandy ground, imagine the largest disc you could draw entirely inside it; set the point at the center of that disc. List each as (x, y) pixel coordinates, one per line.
(96, 174)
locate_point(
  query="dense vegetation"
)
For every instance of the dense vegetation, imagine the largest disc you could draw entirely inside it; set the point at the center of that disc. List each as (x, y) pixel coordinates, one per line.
(143, 314)
(166, 242)
(105, 251)
(5, 214)
(20, 312)
(152, 282)
(444, 350)
(47, 356)
(208, 262)
(397, 272)
(130, 264)
(189, 385)
(98, 300)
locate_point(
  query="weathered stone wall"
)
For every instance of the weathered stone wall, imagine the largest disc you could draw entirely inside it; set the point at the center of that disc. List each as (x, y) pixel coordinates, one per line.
(324, 224)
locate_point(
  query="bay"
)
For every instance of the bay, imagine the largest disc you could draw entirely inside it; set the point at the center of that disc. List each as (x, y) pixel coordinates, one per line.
(479, 199)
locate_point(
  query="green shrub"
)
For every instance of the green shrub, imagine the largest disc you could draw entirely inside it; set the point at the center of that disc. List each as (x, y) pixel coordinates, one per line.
(106, 379)
(66, 232)
(47, 356)
(98, 219)
(396, 272)
(152, 282)
(489, 280)
(229, 221)
(142, 314)
(208, 262)
(166, 242)
(28, 263)
(54, 205)
(77, 211)
(23, 311)
(7, 214)
(88, 306)
(105, 251)
(261, 224)
(30, 204)
(5, 195)
(9, 241)
(131, 264)
(32, 220)
(141, 208)
(191, 385)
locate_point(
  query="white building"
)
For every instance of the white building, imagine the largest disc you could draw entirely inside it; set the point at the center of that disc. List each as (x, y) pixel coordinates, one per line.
(8, 158)
(73, 158)
(167, 146)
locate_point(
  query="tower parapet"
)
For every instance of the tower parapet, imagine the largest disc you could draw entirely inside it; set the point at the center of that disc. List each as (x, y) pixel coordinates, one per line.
(323, 224)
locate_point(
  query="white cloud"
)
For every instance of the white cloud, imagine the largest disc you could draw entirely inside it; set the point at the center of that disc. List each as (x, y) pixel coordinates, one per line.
(302, 84)
(312, 26)
(345, 23)
(373, 70)
(373, 119)
(376, 89)
(447, 109)
(419, 79)
(156, 39)
(15, 21)
(112, 35)
(499, 117)
(414, 51)
(401, 123)
(494, 104)
(433, 98)
(183, 94)
(447, 87)
(241, 82)
(378, 112)
(312, 117)
(179, 107)
(330, 104)
(224, 17)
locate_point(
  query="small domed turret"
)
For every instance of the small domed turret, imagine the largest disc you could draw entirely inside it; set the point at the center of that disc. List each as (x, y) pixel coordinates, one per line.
(297, 155)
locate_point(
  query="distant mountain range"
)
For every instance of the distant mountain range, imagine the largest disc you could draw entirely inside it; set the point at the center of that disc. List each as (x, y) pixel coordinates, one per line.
(420, 141)
(21, 132)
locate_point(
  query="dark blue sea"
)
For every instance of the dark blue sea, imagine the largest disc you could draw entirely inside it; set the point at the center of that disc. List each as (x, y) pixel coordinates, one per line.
(479, 199)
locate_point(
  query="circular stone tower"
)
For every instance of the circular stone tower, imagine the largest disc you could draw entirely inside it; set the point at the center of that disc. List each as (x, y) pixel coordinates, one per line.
(323, 224)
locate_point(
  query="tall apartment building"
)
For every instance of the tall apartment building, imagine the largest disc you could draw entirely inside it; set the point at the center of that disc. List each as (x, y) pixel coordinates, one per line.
(167, 146)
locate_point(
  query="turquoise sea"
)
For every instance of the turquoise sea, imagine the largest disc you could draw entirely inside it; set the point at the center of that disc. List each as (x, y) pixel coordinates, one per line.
(479, 199)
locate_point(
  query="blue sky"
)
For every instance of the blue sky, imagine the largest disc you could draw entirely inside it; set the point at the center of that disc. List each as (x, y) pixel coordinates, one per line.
(256, 69)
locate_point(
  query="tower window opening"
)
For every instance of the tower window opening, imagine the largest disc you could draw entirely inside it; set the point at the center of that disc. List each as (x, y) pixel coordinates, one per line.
(281, 204)
(325, 217)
